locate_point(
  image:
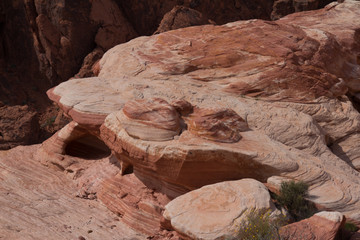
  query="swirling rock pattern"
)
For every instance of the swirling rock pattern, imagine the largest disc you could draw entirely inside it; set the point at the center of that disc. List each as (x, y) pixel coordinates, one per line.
(285, 79)
(216, 211)
(323, 225)
(40, 203)
(152, 119)
(223, 125)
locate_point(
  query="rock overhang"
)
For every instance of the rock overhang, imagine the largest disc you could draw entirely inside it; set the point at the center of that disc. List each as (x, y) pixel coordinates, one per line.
(278, 71)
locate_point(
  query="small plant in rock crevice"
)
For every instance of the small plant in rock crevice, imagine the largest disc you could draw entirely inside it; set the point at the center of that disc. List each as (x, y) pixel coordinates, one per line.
(259, 225)
(292, 196)
(49, 122)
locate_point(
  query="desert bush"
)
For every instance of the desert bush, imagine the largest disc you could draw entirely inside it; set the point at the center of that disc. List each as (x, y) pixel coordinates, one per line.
(292, 196)
(351, 227)
(258, 225)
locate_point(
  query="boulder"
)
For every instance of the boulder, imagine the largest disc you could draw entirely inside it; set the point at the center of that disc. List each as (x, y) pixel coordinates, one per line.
(18, 126)
(152, 119)
(249, 99)
(216, 211)
(180, 17)
(323, 225)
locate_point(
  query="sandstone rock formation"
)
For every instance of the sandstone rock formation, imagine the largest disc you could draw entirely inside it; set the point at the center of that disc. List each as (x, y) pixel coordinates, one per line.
(49, 40)
(216, 211)
(323, 225)
(41, 203)
(275, 76)
(180, 17)
(18, 125)
(140, 207)
(282, 8)
(44, 43)
(188, 108)
(196, 157)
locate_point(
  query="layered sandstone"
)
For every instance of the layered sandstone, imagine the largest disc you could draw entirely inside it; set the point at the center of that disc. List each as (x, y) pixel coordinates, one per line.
(38, 202)
(323, 225)
(45, 43)
(251, 99)
(216, 211)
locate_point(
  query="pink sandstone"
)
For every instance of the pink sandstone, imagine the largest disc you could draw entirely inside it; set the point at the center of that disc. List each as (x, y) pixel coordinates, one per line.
(278, 78)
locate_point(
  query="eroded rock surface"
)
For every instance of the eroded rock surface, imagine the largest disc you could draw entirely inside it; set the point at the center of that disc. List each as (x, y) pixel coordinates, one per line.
(40, 203)
(277, 76)
(282, 8)
(153, 119)
(323, 225)
(251, 99)
(140, 207)
(222, 125)
(180, 17)
(216, 211)
(44, 43)
(18, 125)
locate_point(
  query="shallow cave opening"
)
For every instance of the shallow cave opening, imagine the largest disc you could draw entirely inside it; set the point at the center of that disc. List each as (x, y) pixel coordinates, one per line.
(87, 147)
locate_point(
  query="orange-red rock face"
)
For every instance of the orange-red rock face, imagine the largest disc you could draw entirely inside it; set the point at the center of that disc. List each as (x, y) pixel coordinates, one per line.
(206, 104)
(180, 17)
(222, 125)
(139, 206)
(323, 225)
(214, 81)
(18, 125)
(45, 43)
(41, 203)
(191, 160)
(151, 119)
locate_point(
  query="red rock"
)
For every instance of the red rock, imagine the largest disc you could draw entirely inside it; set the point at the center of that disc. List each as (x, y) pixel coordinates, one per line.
(220, 11)
(52, 150)
(74, 141)
(18, 126)
(282, 8)
(140, 207)
(180, 17)
(323, 225)
(152, 119)
(275, 75)
(45, 43)
(222, 125)
(90, 120)
(41, 202)
(114, 27)
(183, 107)
(88, 68)
(187, 162)
(153, 112)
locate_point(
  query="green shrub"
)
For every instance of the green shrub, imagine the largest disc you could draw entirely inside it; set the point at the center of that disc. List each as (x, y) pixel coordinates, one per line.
(259, 226)
(49, 122)
(350, 227)
(292, 196)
